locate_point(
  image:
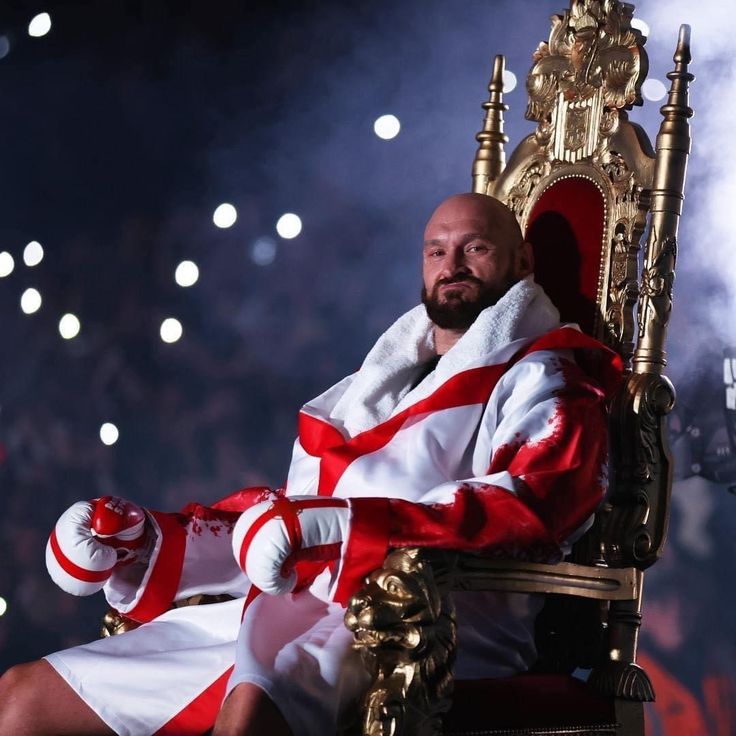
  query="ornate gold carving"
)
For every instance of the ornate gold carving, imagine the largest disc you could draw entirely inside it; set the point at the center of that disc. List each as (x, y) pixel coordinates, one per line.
(404, 626)
(591, 67)
(635, 524)
(672, 149)
(581, 83)
(114, 623)
(536, 170)
(656, 284)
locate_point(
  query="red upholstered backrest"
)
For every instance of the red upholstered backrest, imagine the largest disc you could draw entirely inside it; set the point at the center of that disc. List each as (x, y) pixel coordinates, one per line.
(566, 231)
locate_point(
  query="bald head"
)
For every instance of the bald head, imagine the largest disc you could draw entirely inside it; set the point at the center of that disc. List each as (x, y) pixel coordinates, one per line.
(473, 253)
(495, 216)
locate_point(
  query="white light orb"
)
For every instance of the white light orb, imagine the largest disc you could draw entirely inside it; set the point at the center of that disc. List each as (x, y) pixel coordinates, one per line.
(387, 127)
(171, 330)
(4, 46)
(263, 251)
(40, 25)
(289, 226)
(33, 253)
(69, 326)
(3, 606)
(640, 25)
(225, 215)
(30, 301)
(186, 274)
(509, 80)
(653, 89)
(109, 433)
(7, 264)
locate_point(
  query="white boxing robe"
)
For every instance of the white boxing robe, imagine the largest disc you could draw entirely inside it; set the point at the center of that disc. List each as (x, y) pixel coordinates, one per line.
(501, 449)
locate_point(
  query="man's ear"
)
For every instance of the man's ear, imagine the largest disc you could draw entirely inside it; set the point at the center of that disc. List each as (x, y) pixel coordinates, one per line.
(524, 260)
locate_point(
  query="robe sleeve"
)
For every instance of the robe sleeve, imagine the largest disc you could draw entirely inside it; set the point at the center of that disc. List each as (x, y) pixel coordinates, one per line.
(544, 432)
(191, 554)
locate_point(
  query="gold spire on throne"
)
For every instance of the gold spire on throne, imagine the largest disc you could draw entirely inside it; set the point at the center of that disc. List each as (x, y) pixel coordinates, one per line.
(490, 158)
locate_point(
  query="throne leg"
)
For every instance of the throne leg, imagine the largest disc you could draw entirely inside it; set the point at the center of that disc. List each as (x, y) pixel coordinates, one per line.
(620, 676)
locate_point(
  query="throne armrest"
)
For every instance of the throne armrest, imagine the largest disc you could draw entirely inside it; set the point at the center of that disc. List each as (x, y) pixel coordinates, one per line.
(403, 621)
(474, 572)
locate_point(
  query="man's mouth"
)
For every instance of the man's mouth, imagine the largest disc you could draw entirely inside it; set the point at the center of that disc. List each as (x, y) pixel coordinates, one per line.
(462, 284)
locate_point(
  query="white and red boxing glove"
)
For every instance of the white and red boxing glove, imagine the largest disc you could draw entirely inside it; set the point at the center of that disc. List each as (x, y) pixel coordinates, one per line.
(91, 538)
(271, 538)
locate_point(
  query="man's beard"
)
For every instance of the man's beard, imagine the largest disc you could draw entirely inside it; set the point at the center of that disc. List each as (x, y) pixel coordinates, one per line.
(459, 309)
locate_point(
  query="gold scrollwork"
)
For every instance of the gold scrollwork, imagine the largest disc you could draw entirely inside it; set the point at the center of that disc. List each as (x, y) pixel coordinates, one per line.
(404, 627)
(591, 67)
(658, 279)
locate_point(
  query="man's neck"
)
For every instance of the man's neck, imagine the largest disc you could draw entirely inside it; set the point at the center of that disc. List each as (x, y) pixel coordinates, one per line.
(445, 339)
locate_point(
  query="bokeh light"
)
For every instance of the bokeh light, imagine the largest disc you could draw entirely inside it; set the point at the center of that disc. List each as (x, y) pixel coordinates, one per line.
(3, 606)
(509, 80)
(109, 433)
(225, 215)
(40, 25)
(186, 274)
(653, 89)
(387, 127)
(4, 46)
(7, 264)
(33, 253)
(30, 301)
(289, 226)
(69, 326)
(263, 251)
(171, 330)
(641, 25)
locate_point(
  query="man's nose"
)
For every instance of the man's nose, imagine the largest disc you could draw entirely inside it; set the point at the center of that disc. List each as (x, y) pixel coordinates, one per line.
(455, 263)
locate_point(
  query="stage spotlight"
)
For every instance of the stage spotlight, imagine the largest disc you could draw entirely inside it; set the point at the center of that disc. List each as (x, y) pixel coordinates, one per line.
(109, 433)
(40, 25)
(263, 251)
(171, 330)
(225, 215)
(186, 273)
(30, 301)
(653, 89)
(387, 127)
(509, 80)
(4, 46)
(7, 264)
(69, 326)
(641, 25)
(3, 606)
(289, 226)
(33, 253)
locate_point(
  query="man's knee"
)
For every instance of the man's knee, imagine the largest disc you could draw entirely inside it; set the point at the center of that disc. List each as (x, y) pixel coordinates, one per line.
(248, 710)
(18, 696)
(35, 699)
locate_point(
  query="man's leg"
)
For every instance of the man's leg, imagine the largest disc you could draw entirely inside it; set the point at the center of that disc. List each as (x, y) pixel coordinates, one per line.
(36, 701)
(248, 711)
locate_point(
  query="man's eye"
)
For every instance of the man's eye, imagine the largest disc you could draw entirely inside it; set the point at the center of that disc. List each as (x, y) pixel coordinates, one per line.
(436, 253)
(477, 248)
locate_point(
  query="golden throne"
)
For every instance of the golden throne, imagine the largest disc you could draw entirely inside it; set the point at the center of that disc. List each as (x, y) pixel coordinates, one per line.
(585, 186)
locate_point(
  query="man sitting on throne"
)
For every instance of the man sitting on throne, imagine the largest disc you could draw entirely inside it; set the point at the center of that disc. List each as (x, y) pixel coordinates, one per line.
(476, 422)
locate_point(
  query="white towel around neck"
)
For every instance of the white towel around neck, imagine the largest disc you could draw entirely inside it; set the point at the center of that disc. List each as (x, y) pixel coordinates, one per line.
(385, 377)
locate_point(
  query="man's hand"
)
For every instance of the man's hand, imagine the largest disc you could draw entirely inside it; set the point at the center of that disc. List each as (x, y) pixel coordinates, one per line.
(91, 538)
(270, 538)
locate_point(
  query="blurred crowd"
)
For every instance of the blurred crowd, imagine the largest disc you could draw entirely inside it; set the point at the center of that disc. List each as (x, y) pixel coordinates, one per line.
(216, 411)
(211, 413)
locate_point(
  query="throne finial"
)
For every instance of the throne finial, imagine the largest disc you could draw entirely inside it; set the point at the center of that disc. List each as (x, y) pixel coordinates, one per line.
(490, 158)
(672, 151)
